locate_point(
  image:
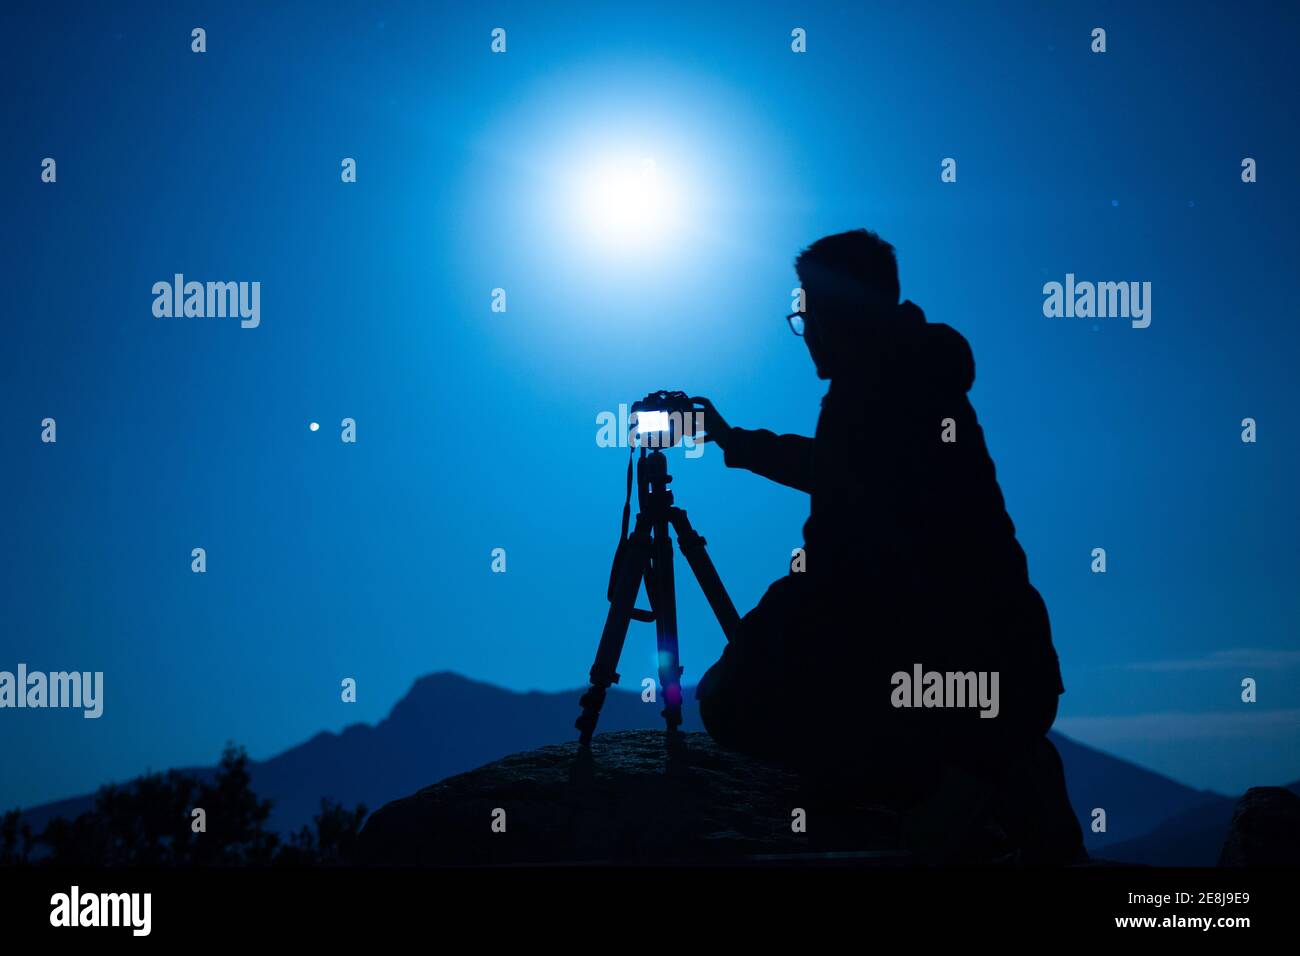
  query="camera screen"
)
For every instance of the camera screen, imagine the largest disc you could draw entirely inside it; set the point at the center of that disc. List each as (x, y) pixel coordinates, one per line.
(647, 422)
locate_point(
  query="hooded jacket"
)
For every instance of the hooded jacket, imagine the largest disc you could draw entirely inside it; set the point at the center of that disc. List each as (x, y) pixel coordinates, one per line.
(907, 527)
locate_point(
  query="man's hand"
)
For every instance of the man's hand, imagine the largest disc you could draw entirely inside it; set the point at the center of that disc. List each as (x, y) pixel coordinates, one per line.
(715, 426)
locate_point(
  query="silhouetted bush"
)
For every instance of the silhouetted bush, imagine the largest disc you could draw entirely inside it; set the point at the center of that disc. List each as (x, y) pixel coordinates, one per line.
(148, 822)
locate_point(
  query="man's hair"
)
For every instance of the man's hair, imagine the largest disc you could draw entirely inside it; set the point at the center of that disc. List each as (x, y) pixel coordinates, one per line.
(850, 271)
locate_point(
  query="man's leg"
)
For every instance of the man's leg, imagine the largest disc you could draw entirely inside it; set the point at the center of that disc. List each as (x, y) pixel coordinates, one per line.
(1034, 808)
(740, 696)
(718, 703)
(1032, 804)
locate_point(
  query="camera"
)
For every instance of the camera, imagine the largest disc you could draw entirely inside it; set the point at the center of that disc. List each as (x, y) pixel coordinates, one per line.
(660, 420)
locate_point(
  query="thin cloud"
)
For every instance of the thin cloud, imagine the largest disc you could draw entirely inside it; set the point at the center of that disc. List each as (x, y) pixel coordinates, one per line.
(1251, 658)
(1179, 725)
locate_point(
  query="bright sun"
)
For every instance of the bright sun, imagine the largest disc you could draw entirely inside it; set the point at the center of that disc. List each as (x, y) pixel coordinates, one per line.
(628, 203)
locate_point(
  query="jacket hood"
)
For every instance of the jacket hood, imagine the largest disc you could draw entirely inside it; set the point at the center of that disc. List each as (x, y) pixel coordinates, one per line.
(945, 358)
(909, 351)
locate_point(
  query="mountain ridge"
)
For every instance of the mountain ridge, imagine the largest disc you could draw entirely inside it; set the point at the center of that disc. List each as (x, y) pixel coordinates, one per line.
(447, 724)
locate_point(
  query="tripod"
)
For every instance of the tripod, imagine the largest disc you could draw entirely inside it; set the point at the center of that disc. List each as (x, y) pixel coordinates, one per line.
(648, 555)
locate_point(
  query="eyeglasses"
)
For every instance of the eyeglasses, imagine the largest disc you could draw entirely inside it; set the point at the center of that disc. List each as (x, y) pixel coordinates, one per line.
(796, 322)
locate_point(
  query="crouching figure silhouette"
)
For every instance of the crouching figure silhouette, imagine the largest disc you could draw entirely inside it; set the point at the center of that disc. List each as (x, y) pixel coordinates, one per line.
(907, 647)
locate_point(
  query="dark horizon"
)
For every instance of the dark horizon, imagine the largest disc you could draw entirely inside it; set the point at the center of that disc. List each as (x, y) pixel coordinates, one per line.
(389, 762)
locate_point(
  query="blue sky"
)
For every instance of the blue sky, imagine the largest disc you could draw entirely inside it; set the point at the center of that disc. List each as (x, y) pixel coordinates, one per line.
(476, 429)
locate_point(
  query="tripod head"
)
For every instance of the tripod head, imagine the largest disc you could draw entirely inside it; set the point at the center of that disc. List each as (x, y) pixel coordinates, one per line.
(652, 481)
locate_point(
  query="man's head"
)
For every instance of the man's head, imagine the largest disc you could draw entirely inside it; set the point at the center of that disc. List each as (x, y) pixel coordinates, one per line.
(850, 283)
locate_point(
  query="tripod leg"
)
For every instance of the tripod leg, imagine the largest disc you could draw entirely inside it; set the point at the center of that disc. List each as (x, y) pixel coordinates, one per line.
(663, 600)
(604, 671)
(692, 545)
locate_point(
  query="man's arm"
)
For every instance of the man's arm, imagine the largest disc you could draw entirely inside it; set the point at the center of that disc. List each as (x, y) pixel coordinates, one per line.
(785, 459)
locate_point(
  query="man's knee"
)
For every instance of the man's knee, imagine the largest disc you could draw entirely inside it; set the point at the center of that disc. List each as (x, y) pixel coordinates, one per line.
(714, 716)
(727, 722)
(733, 704)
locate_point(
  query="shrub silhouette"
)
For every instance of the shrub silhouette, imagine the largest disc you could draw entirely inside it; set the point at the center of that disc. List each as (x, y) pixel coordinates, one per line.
(147, 822)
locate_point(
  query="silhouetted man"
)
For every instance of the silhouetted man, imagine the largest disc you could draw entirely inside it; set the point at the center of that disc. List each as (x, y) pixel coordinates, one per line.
(910, 574)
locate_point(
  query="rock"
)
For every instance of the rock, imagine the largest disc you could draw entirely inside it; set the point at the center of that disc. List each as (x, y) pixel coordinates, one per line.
(627, 801)
(1265, 829)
